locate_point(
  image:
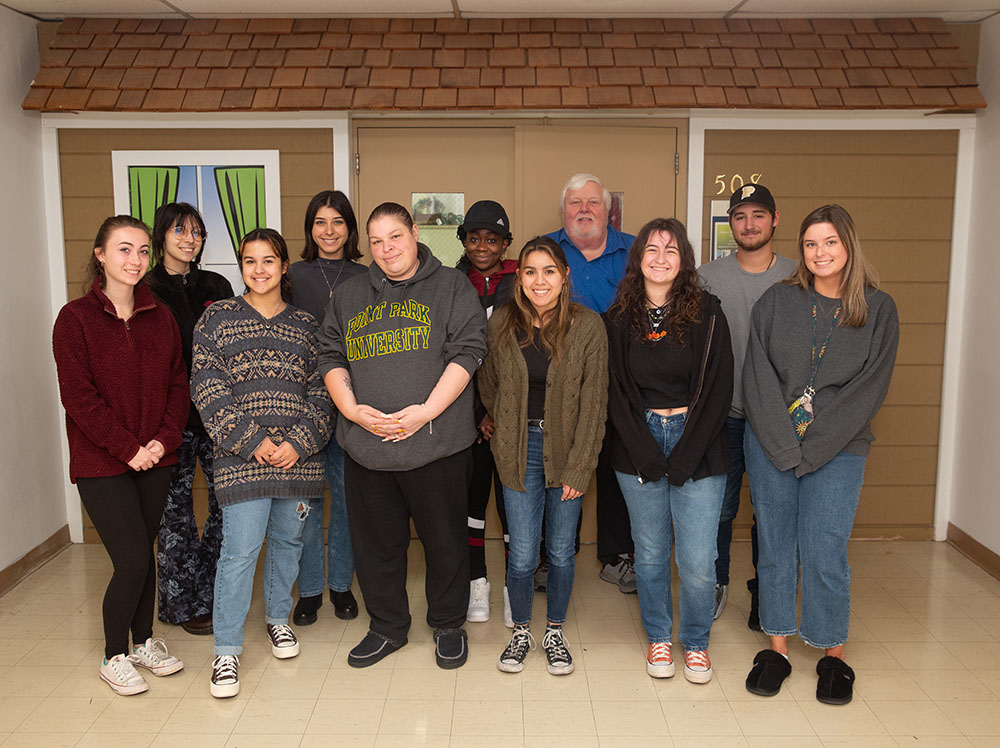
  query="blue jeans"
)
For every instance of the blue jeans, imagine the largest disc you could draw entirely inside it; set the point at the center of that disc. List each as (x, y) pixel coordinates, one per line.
(524, 523)
(805, 521)
(662, 514)
(730, 498)
(244, 527)
(339, 555)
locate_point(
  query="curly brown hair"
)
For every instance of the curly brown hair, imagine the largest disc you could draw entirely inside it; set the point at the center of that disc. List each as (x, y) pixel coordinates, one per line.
(685, 293)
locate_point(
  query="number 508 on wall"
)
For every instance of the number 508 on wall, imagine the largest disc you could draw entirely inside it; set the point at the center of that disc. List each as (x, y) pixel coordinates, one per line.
(720, 179)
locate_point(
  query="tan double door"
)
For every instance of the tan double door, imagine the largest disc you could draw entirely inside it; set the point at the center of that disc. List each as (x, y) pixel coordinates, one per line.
(523, 165)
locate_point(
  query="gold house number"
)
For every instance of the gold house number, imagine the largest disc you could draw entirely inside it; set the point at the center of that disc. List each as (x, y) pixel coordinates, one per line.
(720, 179)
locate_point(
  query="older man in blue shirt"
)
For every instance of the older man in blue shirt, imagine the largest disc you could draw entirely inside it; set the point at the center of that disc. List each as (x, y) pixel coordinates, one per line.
(597, 255)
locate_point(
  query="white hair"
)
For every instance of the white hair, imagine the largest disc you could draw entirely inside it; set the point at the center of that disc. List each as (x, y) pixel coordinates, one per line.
(577, 181)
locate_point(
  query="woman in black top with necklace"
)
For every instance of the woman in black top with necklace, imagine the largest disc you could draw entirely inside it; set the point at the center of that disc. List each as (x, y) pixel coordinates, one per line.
(671, 366)
(330, 257)
(187, 563)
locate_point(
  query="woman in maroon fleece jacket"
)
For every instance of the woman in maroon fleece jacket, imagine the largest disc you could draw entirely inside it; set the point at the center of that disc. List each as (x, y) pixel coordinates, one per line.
(123, 383)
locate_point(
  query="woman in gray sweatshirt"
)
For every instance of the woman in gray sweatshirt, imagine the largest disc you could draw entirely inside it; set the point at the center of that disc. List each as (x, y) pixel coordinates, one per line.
(821, 353)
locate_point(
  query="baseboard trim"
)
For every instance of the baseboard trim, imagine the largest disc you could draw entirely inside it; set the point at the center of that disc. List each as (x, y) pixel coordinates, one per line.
(974, 550)
(36, 557)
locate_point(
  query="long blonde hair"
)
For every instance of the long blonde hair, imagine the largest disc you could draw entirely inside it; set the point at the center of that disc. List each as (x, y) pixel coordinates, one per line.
(859, 274)
(519, 325)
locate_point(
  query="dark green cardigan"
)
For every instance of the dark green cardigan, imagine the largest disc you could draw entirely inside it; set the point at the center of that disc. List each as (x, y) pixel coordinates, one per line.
(576, 397)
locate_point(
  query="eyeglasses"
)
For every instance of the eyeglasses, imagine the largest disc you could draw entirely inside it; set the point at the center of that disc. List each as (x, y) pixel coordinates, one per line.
(180, 231)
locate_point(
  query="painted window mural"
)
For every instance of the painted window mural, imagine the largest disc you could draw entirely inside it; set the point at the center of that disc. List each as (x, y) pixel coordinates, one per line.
(236, 192)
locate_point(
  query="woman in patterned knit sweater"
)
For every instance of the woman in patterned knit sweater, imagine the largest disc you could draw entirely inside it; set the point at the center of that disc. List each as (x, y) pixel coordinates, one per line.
(255, 382)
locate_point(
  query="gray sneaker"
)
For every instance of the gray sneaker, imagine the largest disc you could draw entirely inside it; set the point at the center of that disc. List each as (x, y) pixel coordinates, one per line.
(621, 573)
(721, 596)
(541, 576)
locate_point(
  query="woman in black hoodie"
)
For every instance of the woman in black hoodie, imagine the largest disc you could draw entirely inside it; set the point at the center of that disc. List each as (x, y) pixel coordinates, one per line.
(187, 563)
(671, 386)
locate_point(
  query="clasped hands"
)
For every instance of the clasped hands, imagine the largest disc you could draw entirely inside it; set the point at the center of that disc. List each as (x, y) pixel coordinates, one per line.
(281, 456)
(392, 427)
(147, 456)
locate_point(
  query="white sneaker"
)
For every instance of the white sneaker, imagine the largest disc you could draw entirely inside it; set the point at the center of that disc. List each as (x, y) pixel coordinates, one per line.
(283, 642)
(508, 617)
(154, 657)
(121, 675)
(225, 676)
(479, 600)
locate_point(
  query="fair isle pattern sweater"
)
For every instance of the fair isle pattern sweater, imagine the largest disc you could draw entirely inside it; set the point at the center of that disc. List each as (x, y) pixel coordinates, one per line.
(253, 378)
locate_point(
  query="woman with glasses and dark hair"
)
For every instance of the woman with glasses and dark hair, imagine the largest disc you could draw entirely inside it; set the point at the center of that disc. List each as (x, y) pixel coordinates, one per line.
(821, 354)
(329, 258)
(187, 562)
(671, 387)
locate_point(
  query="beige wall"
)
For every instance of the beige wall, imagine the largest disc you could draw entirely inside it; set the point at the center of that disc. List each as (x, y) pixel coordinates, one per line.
(306, 164)
(975, 505)
(899, 187)
(32, 504)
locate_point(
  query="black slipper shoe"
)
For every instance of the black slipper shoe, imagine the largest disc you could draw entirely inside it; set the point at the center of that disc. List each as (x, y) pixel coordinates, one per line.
(836, 681)
(768, 673)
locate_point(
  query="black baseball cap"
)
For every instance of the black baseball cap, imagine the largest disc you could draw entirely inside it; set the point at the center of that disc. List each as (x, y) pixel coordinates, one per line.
(755, 194)
(489, 215)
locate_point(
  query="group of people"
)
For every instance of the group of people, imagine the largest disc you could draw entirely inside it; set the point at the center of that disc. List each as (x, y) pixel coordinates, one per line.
(415, 391)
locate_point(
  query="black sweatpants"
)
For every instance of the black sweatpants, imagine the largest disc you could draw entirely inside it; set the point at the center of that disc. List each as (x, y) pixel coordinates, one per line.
(126, 511)
(614, 530)
(380, 504)
(484, 478)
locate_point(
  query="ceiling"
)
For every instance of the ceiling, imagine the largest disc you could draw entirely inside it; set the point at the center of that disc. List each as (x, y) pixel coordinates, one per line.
(949, 10)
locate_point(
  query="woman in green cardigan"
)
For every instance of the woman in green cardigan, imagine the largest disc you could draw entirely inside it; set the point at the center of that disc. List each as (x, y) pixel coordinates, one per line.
(545, 382)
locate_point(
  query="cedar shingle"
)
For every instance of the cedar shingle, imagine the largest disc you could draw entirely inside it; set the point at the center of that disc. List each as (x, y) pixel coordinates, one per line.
(858, 78)
(478, 98)
(967, 96)
(390, 78)
(74, 41)
(449, 58)
(798, 58)
(215, 58)
(517, 77)
(427, 78)
(635, 25)
(232, 25)
(881, 58)
(310, 98)
(914, 58)
(226, 78)
(718, 77)
(307, 58)
(174, 26)
(79, 78)
(839, 26)
(324, 78)
(57, 58)
(105, 41)
(775, 41)
(440, 98)
(620, 76)
(90, 58)
(485, 25)
(346, 57)
(431, 41)
(476, 58)
(933, 77)
(744, 77)
(468, 41)
(575, 98)
(797, 98)
(894, 97)
(738, 25)
(109, 78)
(543, 97)
(288, 78)
(70, 26)
(674, 96)
(804, 78)
(106, 99)
(737, 97)
(506, 58)
(401, 41)
(710, 26)
(566, 40)
(701, 41)
(884, 41)
(258, 78)
(552, 77)
(932, 97)
(894, 25)
(831, 58)
(542, 24)
(298, 41)
(633, 57)
(795, 25)
(412, 58)
(120, 58)
(860, 98)
(270, 58)
(488, 77)
(600, 24)
(265, 99)
(721, 58)
(153, 58)
(680, 26)
(167, 78)
(51, 77)
(269, 25)
(199, 26)
(609, 96)
(828, 98)
(641, 97)
(930, 25)
(263, 41)
(237, 99)
(738, 40)
(693, 58)
(408, 98)
(192, 78)
(309, 25)
(769, 58)
(686, 77)
(806, 41)
(600, 58)
(163, 100)
(202, 101)
(572, 58)
(768, 78)
(668, 57)
(534, 40)
(137, 78)
(67, 98)
(835, 41)
(586, 77)
(764, 98)
(335, 41)
(98, 26)
(205, 41)
(338, 98)
(710, 96)
(901, 78)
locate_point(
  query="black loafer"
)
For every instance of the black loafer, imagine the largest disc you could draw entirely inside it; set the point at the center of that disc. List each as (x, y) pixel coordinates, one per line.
(344, 604)
(768, 673)
(450, 648)
(305, 610)
(199, 625)
(373, 648)
(836, 681)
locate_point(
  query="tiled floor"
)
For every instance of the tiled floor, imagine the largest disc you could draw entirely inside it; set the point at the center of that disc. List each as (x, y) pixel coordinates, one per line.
(925, 643)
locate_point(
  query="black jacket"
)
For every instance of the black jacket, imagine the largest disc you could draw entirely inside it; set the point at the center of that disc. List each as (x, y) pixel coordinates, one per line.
(188, 296)
(703, 449)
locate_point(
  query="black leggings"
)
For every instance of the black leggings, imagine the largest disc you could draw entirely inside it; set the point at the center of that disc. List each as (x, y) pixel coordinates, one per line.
(126, 511)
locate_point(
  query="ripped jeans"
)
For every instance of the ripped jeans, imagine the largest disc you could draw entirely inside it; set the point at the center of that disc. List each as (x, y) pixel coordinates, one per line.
(244, 528)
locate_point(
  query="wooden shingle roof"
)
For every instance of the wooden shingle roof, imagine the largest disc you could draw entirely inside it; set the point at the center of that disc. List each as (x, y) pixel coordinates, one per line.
(267, 64)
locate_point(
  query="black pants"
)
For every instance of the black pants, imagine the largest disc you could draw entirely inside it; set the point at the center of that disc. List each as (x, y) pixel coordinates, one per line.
(126, 511)
(380, 505)
(484, 478)
(614, 531)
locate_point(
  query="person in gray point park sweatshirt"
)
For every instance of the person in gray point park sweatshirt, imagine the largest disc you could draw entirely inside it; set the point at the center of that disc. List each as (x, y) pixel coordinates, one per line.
(821, 354)
(398, 349)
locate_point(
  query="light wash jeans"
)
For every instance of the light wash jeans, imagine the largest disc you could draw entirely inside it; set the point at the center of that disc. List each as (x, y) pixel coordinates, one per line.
(660, 514)
(524, 523)
(339, 555)
(805, 521)
(244, 527)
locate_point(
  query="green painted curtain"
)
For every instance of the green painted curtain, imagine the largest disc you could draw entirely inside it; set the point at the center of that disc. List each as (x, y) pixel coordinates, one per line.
(149, 187)
(241, 194)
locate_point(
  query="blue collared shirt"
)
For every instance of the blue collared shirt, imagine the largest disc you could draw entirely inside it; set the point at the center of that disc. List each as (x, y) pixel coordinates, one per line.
(595, 283)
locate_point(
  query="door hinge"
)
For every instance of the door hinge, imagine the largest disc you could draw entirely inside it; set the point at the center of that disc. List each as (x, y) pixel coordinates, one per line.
(677, 164)
(357, 163)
